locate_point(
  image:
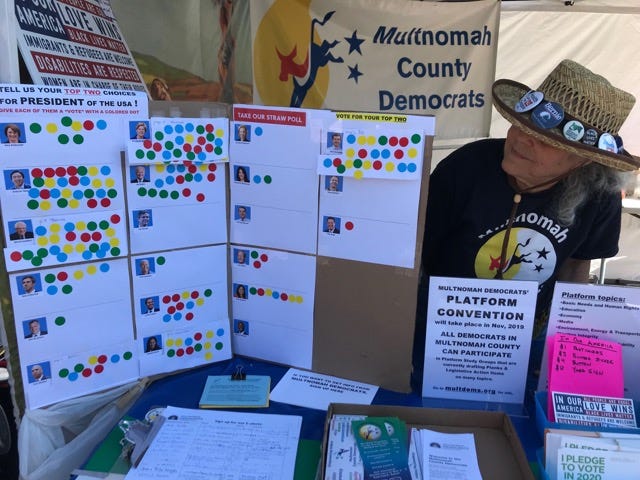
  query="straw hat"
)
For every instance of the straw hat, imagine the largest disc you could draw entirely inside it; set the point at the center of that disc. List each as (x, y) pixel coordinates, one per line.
(578, 100)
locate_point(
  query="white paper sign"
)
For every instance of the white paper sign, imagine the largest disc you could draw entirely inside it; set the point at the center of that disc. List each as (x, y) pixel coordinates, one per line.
(478, 339)
(579, 309)
(313, 390)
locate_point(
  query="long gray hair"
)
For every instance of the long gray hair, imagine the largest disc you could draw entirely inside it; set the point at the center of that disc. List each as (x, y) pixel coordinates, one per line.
(592, 180)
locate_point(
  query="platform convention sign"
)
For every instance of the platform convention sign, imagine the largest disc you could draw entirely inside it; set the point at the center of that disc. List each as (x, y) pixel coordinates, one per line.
(478, 339)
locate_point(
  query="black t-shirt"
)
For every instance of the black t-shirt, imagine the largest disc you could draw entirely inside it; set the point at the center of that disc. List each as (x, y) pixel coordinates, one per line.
(469, 205)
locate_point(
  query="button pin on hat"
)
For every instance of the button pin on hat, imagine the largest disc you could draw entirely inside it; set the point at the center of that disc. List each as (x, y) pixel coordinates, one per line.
(547, 115)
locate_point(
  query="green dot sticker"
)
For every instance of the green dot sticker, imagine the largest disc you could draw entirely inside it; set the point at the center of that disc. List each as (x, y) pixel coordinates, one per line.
(67, 289)
(88, 193)
(415, 138)
(382, 140)
(78, 368)
(115, 251)
(103, 225)
(36, 261)
(112, 193)
(208, 292)
(63, 139)
(63, 373)
(27, 254)
(62, 202)
(169, 145)
(188, 177)
(217, 151)
(161, 260)
(151, 155)
(35, 128)
(200, 129)
(210, 137)
(191, 156)
(197, 347)
(33, 204)
(43, 252)
(171, 353)
(254, 254)
(163, 194)
(94, 247)
(49, 278)
(91, 226)
(267, 179)
(153, 192)
(340, 169)
(140, 153)
(38, 182)
(357, 163)
(82, 170)
(253, 290)
(175, 195)
(218, 345)
(159, 135)
(177, 152)
(127, 355)
(66, 121)
(60, 321)
(142, 191)
(78, 139)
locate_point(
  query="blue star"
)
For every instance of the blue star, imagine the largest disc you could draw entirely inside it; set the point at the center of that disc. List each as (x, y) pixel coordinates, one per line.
(354, 73)
(354, 42)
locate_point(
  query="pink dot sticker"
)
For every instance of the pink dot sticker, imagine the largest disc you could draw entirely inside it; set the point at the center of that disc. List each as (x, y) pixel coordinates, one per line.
(348, 225)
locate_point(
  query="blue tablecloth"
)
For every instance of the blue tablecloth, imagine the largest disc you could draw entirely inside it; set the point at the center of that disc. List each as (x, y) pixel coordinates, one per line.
(184, 390)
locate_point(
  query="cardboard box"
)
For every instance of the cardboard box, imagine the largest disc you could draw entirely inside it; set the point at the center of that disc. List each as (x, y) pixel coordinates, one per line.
(500, 453)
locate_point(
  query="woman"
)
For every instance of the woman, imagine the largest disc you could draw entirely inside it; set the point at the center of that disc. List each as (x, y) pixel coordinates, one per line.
(538, 205)
(243, 133)
(241, 175)
(152, 345)
(141, 131)
(12, 132)
(240, 292)
(159, 90)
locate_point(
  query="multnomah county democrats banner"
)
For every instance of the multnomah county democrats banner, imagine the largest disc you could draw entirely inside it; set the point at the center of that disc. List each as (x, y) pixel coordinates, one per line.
(395, 56)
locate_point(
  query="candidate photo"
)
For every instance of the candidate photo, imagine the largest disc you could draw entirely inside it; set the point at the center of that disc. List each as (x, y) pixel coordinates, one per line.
(139, 174)
(334, 142)
(39, 372)
(242, 213)
(240, 256)
(142, 219)
(149, 305)
(17, 179)
(139, 130)
(12, 132)
(241, 174)
(241, 328)
(152, 343)
(331, 225)
(29, 284)
(145, 266)
(243, 133)
(34, 328)
(333, 183)
(20, 230)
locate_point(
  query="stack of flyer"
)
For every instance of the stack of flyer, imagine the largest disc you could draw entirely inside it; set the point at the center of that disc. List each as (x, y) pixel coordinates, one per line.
(376, 447)
(591, 454)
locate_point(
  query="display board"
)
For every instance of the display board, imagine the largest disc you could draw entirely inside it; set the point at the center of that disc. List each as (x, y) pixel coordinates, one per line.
(126, 267)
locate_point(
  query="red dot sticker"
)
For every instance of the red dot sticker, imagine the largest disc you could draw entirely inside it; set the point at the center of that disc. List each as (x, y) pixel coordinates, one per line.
(96, 236)
(49, 172)
(337, 162)
(88, 125)
(208, 147)
(189, 350)
(404, 141)
(85, 237)
(284, 297)
(147, 144)
(209, 127)
(212, 167)
(186, 147)
(86, 372)
(202, 140)
(186, 192)
(36, 173)
(62, 276)
(195, 294)
(197, 149)
(189, 316)
(72, 170)
(348, 225)
(180, 179)
(105, 202)
(180, 352)
(197, 336)
(115, 218)
(16, 256)
(171, 310)
(211, 177)
(398, 154)
(92, 203)
(377, 165)
(61, 171)
(393, 141)
(362, 153)
(264, 257)
(102, 359)
(45, 194)
(192, 168)
(257, 264)
(261, 291)
(74, 181)
(166, 299)
(175, 297)
(98, 369)
(180, 306)
(157, 147)
(200, 197)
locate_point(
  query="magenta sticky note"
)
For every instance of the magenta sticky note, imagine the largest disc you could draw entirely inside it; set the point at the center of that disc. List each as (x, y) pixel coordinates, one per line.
(587, 366)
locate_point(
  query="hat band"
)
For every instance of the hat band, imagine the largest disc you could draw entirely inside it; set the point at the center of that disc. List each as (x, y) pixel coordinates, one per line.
(551, 115)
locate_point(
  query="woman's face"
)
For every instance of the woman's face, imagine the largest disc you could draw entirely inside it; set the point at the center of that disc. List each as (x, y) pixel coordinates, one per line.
(13, 135)
(240, 291)
(242, 133)
(152, 342)
(140, 131)
(241, 174)
(531, 162)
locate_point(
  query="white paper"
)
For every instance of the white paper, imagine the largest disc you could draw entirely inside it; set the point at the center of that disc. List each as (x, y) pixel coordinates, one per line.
(578, 309)
(343, 455)
(273, 294)
(449, 456)
(313, 390)
(199, 444)
(602, 465)
(478, 339)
